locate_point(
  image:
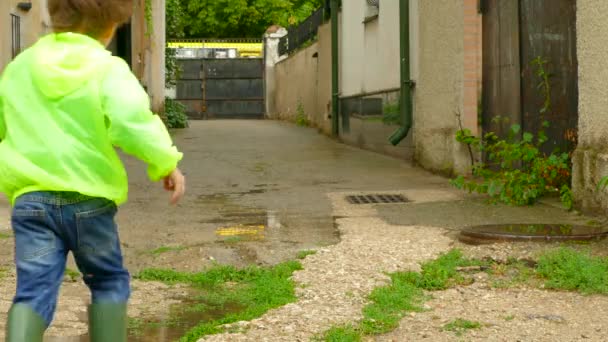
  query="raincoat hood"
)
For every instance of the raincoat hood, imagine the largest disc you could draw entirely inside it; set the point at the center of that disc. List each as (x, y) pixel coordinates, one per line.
(64, 62)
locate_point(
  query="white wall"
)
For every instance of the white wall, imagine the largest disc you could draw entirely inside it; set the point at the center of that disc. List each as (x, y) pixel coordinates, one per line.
(369, 56)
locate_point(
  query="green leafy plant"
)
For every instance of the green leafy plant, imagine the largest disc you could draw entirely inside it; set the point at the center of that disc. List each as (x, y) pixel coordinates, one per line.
(301, 117)
(516, 171)
(175, 114)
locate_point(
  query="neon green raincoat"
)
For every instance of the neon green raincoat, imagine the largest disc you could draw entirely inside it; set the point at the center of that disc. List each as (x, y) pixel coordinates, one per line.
(65, 103)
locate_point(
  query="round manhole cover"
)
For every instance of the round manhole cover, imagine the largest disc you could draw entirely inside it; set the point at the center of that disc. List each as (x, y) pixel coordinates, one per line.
(531, 232)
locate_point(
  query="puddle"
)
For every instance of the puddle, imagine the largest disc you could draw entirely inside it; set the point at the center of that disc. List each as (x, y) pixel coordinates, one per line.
(183, 317)
(531, 232)
(179, 321)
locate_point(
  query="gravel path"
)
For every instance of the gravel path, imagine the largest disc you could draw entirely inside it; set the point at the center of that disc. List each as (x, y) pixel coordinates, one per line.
(336, 280)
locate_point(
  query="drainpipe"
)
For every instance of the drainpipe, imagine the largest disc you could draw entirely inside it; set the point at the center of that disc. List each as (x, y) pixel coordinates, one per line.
(335, 82)
(406, 83)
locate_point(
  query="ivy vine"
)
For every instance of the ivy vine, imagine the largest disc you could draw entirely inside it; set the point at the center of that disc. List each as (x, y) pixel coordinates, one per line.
(148, 17)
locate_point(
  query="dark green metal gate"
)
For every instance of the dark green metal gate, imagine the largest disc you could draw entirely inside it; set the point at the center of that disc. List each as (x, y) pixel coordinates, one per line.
(222, 88)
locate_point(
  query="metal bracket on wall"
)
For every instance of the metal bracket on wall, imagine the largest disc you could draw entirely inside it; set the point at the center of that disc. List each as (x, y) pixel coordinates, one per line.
(481, 6)
(24, 6)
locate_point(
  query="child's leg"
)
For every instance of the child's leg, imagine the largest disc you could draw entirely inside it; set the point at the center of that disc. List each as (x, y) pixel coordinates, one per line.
(99, 258)
(40, 257)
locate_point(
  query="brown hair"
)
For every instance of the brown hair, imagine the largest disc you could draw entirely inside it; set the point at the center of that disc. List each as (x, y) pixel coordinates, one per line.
(91, 17)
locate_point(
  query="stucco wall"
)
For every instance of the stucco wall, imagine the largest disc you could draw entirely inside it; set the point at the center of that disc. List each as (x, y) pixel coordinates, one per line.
(32, 26)
(305, 79)
(148, 51)
(591, 157)
(369, 56)
(438, 95)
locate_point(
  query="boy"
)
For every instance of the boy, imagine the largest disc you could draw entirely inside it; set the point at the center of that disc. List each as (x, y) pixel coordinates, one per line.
(64, 104)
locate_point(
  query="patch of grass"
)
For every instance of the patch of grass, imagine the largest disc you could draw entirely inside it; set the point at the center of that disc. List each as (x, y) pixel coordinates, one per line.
(251, 292)
(442, 273)
(303, 254)
(460, 326)
(4, 236)
(347, 333)
(389, 304)
(233, 240)
(568, 269)
(509, 318)
(165, 249)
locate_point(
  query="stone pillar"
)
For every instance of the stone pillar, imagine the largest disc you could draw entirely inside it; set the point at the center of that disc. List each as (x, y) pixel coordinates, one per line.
(271, 51)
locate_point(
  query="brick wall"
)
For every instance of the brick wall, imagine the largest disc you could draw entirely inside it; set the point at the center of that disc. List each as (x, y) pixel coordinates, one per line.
(472, 65)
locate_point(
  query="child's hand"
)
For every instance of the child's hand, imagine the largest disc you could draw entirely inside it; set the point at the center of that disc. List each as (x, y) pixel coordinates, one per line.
(176, 183)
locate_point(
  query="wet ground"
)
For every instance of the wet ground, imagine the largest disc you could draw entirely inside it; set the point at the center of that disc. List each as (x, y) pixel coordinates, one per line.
(258, 194)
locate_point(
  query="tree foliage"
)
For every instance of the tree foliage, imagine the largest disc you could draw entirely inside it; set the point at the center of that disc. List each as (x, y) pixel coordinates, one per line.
(239, 18)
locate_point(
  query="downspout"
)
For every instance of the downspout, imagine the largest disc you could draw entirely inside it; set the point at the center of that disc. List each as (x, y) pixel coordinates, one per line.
(335, 72)
(406, 83)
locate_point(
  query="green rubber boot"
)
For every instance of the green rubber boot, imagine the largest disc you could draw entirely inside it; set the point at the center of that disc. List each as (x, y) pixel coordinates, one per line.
(24, 325)
(108, 322)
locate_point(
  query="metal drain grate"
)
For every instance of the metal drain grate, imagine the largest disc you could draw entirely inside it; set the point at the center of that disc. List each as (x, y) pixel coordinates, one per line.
(376, 199)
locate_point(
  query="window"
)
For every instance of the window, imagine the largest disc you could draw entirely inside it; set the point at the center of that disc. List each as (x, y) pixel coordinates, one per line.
(16, 34)
(372, 10)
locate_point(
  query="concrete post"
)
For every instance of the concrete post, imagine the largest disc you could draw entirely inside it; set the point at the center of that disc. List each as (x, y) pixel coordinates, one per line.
(156, 56)
(272, 57)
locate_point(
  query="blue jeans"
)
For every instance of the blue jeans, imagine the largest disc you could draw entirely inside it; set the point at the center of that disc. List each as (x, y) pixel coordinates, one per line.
(47, 225)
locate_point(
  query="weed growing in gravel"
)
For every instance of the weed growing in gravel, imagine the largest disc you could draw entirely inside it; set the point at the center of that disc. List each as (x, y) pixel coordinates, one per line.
(513, 273)
(5, 236)
(303, 254)
(460, 326)
(405, 294)
(72, 274)
(233, 240)
(390, 303)
(249, 292)
(568, 269)
(563, 268)
(346, 333)
(165, 249)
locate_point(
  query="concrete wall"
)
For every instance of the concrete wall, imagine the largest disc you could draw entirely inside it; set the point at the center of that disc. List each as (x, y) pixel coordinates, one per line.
(304, 79)
(369, 52)
(590, 159)
(32, 26)
(439, 76)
